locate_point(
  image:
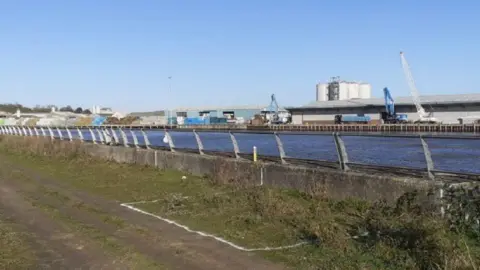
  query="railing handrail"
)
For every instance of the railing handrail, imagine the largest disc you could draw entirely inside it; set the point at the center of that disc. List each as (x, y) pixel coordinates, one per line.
(438, 135)
(101, 135)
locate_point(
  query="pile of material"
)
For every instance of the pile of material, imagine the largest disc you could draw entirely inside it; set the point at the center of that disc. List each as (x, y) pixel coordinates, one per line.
(84, 121)
(31, 122)
(123, 121)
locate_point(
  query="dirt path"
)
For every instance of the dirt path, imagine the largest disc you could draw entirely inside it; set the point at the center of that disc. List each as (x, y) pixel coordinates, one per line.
(100, 234)
(56, 246)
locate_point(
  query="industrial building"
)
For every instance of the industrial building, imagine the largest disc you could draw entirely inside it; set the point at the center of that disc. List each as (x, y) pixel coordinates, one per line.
(203, 115)
(337, 89)
(449, 109)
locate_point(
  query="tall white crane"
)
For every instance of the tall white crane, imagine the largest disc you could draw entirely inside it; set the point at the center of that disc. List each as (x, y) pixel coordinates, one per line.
(424, 116)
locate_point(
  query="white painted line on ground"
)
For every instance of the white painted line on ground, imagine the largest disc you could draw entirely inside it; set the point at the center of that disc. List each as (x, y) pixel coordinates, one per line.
(129, 206)
(154, 201)
(182, 197)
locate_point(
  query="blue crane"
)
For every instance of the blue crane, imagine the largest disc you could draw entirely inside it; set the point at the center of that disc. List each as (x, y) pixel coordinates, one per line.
(390, 116)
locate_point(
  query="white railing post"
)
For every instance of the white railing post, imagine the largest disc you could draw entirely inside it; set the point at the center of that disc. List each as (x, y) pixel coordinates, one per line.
(100, 135)
(199, 142)
(145, 138)
(24, 131)
(124, 137)
(30, 132)
(341, 151)
(51, 133)
(94, 140)
(236, 149)
(106, 135)
(60, 135)
(36, 131)
(115, 137)
(44, 133)
(80, 134)
(69, 134)
(135, 139)
(171, 144)
(428, 158)
(281, 150)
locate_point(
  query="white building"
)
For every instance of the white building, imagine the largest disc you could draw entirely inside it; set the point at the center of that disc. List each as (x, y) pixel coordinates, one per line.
(343, 90)
(102, 111)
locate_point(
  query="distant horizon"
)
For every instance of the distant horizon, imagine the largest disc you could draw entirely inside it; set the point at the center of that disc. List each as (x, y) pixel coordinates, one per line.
(213, 107)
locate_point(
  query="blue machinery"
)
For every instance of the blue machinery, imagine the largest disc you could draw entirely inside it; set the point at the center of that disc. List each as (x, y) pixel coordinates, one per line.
(390, 116)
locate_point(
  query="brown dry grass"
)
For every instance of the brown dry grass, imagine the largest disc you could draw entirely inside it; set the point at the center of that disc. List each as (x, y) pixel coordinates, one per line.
(43, 146)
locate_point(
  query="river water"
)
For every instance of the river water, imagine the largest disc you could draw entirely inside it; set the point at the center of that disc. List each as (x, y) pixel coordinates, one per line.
(453, 154)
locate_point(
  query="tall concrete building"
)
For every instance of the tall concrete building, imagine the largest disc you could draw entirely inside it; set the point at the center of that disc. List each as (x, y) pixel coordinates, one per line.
(343, 90)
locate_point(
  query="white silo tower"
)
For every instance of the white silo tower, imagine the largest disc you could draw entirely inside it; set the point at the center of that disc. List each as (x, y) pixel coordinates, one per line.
(322, 92)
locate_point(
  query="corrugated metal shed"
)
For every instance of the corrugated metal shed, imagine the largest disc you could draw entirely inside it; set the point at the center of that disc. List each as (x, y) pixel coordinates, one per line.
(196, 110)
(356, 103)
(140, 114)
(221, 108)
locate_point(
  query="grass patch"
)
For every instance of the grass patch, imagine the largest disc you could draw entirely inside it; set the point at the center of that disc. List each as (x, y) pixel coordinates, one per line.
(245, 217)
(347, 234)
(15, 252)
(123, 182)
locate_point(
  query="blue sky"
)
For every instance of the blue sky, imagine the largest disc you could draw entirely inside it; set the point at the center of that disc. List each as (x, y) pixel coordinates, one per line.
(120, 53)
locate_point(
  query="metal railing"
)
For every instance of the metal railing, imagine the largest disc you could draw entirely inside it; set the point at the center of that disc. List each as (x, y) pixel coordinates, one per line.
(139, 138)
(381, 128)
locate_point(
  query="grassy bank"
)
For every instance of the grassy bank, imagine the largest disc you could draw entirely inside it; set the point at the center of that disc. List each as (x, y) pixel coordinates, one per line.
(15, 252)
(348, 234)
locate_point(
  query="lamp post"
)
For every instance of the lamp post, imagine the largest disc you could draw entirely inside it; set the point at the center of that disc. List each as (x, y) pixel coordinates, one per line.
(169, 115)
(170, 108)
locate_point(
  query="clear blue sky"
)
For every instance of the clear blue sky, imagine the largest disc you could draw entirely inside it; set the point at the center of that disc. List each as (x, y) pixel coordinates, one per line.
(120, 53)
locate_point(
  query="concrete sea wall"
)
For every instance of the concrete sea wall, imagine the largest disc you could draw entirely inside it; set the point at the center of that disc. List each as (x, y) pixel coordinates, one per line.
(316, 181)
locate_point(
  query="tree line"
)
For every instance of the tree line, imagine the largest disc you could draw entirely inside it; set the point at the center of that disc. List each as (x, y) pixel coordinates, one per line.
(13, 107)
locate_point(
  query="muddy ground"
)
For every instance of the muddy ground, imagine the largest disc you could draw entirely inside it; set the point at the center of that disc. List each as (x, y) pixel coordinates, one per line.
(65, 228)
